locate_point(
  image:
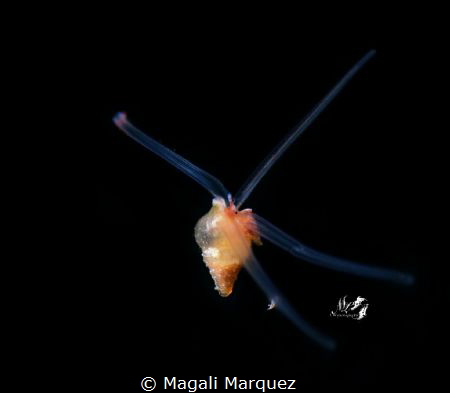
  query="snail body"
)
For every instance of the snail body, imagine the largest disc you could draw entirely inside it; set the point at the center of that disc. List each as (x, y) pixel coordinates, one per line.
(225, 236)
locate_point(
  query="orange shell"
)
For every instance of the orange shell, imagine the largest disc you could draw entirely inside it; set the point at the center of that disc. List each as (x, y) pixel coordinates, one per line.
(225, 236)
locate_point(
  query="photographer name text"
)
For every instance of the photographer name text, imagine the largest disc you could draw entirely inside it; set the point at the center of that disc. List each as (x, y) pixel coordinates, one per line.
(228, 383)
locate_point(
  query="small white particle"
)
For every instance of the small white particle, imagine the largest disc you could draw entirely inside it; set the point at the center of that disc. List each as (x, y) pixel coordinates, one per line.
(215, 220)
(271, 305)
(211, 252)
(219, 202)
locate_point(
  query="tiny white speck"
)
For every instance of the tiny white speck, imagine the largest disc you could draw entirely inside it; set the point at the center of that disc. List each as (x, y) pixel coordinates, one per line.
(219, 202)
(271, 305)
(211, 252)
(215, 220)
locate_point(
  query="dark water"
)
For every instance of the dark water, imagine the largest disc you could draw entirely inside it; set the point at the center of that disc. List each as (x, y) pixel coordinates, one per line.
(354, 186)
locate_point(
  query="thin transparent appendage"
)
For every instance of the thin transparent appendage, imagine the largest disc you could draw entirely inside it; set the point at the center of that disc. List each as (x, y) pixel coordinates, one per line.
(208, 181)
(281, 239)
(263, 168)
(278, 302)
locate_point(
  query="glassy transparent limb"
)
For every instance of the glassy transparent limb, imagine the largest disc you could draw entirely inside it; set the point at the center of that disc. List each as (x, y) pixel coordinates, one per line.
(288, 243)
(280, 303)
(208, 181)
(263, 168)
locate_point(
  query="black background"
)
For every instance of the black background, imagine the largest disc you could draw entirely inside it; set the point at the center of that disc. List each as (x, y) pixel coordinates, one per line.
(354, 185)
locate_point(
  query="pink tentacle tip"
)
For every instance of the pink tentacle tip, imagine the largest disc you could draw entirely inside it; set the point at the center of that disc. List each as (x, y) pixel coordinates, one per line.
(120, 118)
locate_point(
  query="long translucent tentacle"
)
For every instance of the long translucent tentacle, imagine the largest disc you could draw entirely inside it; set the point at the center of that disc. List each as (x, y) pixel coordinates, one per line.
(211, 183)
(233, 230)
(281, 304)
(288, 243)
(263, 168)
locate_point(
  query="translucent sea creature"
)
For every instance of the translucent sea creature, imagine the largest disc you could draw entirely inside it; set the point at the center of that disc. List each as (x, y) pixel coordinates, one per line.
(225, 234)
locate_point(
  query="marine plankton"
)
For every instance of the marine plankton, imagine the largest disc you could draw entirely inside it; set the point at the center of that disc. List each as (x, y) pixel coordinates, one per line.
(226, 234)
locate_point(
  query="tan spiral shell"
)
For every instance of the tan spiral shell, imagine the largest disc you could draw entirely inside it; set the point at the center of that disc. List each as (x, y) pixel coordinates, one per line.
(225, 236)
